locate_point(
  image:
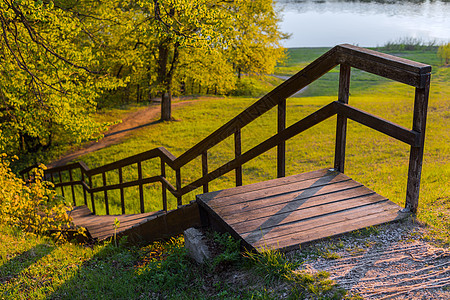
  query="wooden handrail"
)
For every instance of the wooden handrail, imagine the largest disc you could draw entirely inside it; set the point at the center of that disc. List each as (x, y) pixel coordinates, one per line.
(348, 56)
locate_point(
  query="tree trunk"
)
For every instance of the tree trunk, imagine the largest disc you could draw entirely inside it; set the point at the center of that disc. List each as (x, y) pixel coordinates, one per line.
(166, 106)
(165, 76)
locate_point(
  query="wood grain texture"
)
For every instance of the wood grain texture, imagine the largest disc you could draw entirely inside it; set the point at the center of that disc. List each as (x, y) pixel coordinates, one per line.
(297, 209)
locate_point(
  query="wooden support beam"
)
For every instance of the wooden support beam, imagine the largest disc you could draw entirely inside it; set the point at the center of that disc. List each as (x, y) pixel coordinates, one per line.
(72, 188)
(237, 154)
(178, 186)
(163, 185)
(205, 170)
(341, 126)
(105, 193)
(122, 196)
(141, 187)
(281, 148)
(416, 154)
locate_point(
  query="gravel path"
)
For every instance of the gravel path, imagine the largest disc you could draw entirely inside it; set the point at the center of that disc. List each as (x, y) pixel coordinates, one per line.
(389, 262)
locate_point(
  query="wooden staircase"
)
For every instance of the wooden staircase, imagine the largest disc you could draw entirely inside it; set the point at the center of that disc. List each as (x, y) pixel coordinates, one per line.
(283, 212)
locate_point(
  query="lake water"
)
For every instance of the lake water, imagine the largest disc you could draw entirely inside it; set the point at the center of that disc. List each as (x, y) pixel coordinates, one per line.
(325, 23)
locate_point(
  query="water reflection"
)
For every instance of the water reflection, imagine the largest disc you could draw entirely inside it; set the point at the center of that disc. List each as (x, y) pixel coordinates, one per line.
(363, 22)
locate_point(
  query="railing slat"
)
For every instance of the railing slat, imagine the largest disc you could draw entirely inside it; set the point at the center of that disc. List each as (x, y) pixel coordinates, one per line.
(237, 154)
(341, 126)
(164, 185)
(281, 148)
(205, 170)
(141, 187)
(122, 197)
(105, 193)
(178, 183)
(84, 190)
(92, 195)
(60, 180)
(72, 187)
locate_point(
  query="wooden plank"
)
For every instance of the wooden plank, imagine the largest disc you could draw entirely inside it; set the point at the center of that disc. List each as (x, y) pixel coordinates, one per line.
(292, 242)
(205, 170)
(388, 66)
(240, 213)
(341, 126)
(311, 186)
(290, 230)
(292, 215)
(305, 123)
(268, 202)
(263, 184)
(398, 132)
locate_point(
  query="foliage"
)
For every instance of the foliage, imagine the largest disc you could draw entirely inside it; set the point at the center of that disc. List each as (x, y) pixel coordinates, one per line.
(33, 207)
(50, 77)
(202, 41)
(444, 53)
(408, 44)
(229, 252)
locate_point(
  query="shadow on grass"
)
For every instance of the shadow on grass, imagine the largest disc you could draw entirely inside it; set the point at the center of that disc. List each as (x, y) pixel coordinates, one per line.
(13, 267)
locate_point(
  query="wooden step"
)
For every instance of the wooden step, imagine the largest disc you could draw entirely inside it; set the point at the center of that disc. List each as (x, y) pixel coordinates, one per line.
(146, 227)
(286, 212)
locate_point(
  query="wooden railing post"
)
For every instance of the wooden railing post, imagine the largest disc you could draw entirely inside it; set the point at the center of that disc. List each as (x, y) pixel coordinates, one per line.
(141, 188)
(92, 195)
(237, 153)
(205, 170)
(105, 193)
(122, 197)
(178, 183)
(164, 185)
(416, 154)
(281, 148)
(341, 127)
(60, 180)
(72, 187)
(84, 189)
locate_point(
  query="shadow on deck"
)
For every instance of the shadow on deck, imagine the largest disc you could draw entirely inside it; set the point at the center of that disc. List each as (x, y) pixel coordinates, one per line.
(287, 212)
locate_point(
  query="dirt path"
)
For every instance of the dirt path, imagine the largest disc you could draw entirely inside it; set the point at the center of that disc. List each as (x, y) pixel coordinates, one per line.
(136, 120)
(391, 262)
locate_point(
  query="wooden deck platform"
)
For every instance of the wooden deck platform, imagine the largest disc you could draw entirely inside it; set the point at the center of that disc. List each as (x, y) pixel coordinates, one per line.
(286, 212)
(101, 227)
